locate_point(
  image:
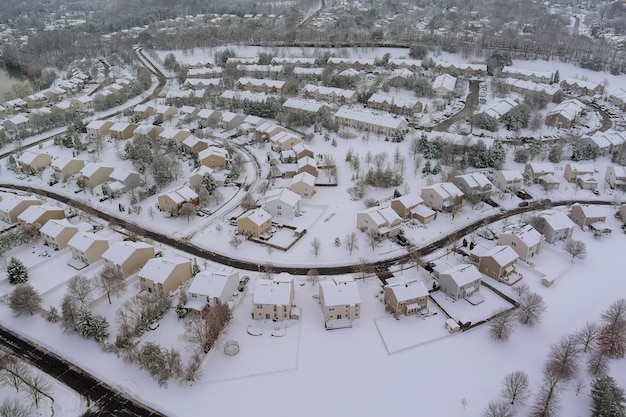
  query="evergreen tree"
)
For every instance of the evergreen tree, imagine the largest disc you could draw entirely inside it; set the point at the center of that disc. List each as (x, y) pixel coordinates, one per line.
(92, 326)
(608, 398)
(208, 182)
(497, 155)
(16, 271)
(556, 78)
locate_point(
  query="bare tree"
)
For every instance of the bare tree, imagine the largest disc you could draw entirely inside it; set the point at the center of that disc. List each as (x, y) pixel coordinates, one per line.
(502, 324)
(373, 240)
(37, 387)
(531, 307)
(515, 387)
(235, 241)
(564, 358)
(24, 299)
(350, 242)
(13, 408)
(187, 210)
(364, 268)
(316, 246)
(12, 371)
(248, 202)
(80, 288)
(547, 401)
(498, 409)
(193, 370)
(110, 280)
(268, 270)
(588, 335)
(521, 289)
(198, 332)
(313, 275)
(597, 364)
(576, 248)
(612, 338)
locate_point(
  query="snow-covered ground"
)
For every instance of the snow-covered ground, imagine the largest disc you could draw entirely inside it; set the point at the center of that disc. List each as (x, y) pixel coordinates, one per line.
(380, 365)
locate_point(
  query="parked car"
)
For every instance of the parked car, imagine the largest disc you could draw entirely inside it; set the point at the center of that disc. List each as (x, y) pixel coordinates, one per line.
(401, 240)
(524, 195)
(523, 204)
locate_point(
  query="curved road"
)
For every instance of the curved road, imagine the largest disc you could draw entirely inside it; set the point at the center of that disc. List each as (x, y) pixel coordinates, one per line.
(107, 400)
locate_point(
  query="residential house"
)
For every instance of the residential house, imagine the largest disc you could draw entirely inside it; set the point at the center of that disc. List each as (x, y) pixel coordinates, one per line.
(260, 85)
(207, 84)
(172, 201)
(403, 205)
(574, 169)
(525, 74)
(443, 196)
(284, 141)
(207, 117)
(282, 202)
(303, 184)
(56, 233)
(231, 120)
(508, 180)
(307, 164)
(273, 299)
(86, 248)
(584, 215)
(301, 150)
(94, 174)
(164, 112)
(128, 257)
(18, 123)
(497, 109)
(188, 113)
(254, 223)
(537, 169)
(523, 238)
(32, 162)
(565, 114)
(332, 95)
(173, 134)
(461, 281)
(356, 63)
(11, 206)
(615, 176)
(304, 106)
(195, 179)
(194, 145)
(444, 85)
(122, 130)
(98, 128)
(411, 64)
(393, 104)
(475, 186)
(405, 296)
(82, 104)
(379, 222)
(67, 167)
(499, 263)
(122, 180)
(554, 225)
(164, 275)
(213, 157)
(368, 121)
(604, 143)
(40, 214)
(147, 132)
(586, 88)
(212, 287)
(340, 302)
(143, 111)
(269, 130)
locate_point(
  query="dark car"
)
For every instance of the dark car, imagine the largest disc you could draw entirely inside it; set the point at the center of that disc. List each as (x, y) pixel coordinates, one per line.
(524, 195)
(401, 240)
(524, 204)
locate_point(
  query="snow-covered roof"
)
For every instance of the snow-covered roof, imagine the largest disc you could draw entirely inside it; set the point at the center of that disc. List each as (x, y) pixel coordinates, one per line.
(556, 219)
(526, 233)
(475, 179)
(407, 288)
(278, 84)
(83, 240)
(338, 293)
(121, 174)
(541, 167)
(499, 108)
(211, 283)
(212, 151)
(569, 109)
(276, 291)
(306, 161)
(511, 175)
(382, 216)
(284, 195)
(305, 178)
(119, 252)
(369, 117)
(591, 210)
(445, 82)
(445, 190)
(463, 274)
(32, 213)
(303, 104)
(54, 227)
(258, 216)
(28, 158)
(329, 91)
(93, 167)
(10, 201)
(397, 101)
(159, 269)
(503, 254)
(410, 200)
(526, 72)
